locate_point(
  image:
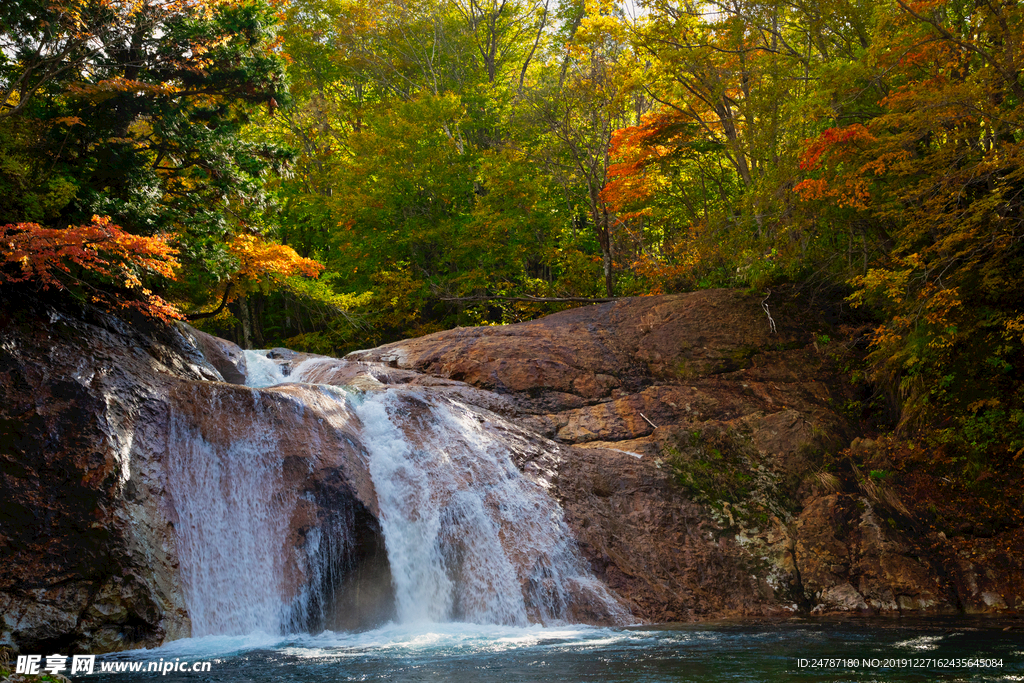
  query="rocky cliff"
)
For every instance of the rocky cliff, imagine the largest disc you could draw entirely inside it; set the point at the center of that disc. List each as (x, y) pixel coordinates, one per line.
(92, 410)
(703, 459)
(685, 438)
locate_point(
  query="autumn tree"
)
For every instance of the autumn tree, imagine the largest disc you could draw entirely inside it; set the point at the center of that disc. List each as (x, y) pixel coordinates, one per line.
(135, 111)
(577, 101)
(941, 168)
(97, 261)
(735, 87)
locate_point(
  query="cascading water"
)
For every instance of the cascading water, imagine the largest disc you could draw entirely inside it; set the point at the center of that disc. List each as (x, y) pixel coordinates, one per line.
(230, 522)
(257, 552)
(261, 371)
(468, 537)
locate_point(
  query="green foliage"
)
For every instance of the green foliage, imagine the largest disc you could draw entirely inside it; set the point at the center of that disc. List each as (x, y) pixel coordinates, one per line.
(447, 158)
(443, 159)
(719, 468)
(712, 469)
(139, 116)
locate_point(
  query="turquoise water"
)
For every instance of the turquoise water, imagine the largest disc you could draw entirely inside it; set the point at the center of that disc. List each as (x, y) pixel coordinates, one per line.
(953, 649)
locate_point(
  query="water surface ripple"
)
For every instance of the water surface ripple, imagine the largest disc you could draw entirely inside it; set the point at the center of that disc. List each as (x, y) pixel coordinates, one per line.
(766, 652)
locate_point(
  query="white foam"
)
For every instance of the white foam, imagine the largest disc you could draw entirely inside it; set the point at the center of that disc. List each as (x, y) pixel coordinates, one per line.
(449, 637)
(261, 371)
(923, 643)
(232, 523)
(468, 536)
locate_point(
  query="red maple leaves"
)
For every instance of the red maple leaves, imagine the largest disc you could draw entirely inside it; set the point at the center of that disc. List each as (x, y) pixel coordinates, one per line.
(99, 259)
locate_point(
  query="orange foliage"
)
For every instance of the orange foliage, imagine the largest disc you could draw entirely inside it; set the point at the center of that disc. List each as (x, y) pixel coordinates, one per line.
(112, 86)
(263, 263)
(636, 177)
(661, 276)
(835, 141)
(838, 145)
(79, 255)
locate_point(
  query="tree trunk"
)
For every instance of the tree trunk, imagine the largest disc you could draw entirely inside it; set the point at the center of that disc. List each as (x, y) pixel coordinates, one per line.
(242, 313)
(256, 310)
(600, 213)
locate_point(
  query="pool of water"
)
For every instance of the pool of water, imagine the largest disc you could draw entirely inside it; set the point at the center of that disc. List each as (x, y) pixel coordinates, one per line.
(952, 649)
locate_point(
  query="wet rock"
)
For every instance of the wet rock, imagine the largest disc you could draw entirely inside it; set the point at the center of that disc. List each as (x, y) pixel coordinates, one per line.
(82, 493)
(227, 357)
(89, 557)
(685, 439)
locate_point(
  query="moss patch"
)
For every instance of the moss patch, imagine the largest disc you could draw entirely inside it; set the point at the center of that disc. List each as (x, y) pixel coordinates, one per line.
(719, 467)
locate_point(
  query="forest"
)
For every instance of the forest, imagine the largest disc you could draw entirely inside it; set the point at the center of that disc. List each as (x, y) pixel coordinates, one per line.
(330, 175)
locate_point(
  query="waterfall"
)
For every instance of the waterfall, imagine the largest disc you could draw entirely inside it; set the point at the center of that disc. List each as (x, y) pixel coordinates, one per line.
(227, 484)
(258, 550)
(261, 371)
(467, 536)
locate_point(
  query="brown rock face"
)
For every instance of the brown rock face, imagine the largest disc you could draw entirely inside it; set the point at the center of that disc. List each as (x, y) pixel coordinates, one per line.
(86, 556)
(651, 544)
(851, 560)
(643, 390)
(680, 434)
(693, 431)
(226, 357)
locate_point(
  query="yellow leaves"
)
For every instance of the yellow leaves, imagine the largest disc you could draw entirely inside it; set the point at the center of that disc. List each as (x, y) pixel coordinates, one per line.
(75, 14)
(598, 25)
(975, 406)
(891, 283)
(320, 290)
(113, 86)
(69, 121)
(1014, 327)
(941, 304)
(881, 164)
(263, 262)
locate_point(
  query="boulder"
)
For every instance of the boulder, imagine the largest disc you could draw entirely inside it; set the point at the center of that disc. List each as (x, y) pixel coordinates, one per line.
(695, 425)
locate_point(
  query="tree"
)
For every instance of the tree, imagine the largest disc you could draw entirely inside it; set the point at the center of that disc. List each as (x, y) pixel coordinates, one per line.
(942, 167)
(97, 261)
(136, 110)
(578, 105)
(736, 87)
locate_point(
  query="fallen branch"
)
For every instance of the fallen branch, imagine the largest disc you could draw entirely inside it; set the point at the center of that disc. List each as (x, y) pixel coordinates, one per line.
(764, 305)
(533, 299)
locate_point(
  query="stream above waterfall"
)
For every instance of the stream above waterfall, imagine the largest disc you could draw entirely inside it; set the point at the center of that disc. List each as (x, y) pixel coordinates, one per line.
(692, 652)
